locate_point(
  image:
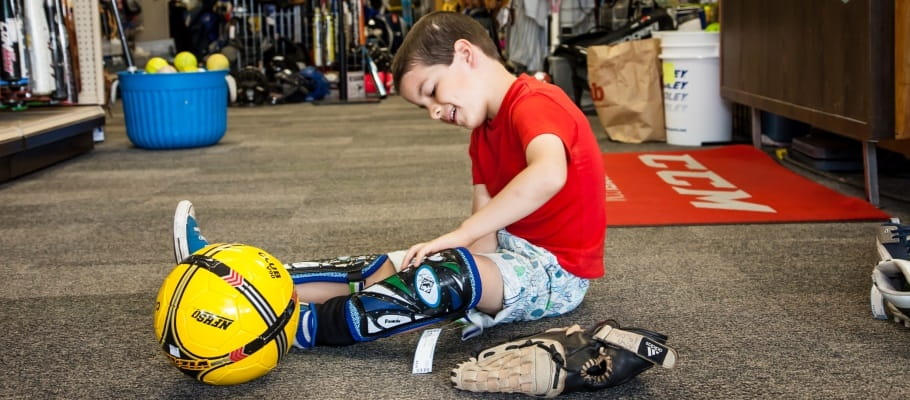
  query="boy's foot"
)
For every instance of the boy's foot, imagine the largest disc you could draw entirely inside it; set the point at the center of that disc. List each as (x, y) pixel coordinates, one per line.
(187, 236)
(893, 241)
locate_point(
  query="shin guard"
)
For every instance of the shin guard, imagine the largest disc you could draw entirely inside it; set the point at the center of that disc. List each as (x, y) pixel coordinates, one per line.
(350, 270)
(443, 287)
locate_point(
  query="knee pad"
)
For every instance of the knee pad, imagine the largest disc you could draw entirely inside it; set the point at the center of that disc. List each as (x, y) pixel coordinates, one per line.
(444, 287)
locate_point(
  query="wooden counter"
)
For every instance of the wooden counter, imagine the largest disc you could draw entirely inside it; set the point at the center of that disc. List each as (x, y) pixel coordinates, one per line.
(828, 63)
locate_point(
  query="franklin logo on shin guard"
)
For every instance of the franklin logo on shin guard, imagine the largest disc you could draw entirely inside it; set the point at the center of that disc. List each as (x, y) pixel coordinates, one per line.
(427, 286)
(391, 321)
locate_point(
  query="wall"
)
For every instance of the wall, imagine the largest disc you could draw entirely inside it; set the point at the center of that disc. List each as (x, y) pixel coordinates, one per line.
(154, 20)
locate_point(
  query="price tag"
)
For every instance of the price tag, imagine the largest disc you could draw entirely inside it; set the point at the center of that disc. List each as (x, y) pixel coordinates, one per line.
(426, 346)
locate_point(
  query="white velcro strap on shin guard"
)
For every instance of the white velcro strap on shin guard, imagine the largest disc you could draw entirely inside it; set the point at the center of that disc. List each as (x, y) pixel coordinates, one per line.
(397, 259)
(642, 346)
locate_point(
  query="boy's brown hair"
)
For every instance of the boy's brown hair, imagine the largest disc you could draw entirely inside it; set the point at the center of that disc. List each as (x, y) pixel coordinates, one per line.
(432, 40)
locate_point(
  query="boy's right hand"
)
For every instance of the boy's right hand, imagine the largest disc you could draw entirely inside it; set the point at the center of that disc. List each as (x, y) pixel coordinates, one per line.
(418, 252)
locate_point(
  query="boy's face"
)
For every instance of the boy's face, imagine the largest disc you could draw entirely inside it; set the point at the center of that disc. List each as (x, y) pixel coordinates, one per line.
(450, 93)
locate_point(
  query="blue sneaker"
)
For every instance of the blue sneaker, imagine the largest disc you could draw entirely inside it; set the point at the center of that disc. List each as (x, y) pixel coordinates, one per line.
(893, 241)
(305, 338)
(187, 236)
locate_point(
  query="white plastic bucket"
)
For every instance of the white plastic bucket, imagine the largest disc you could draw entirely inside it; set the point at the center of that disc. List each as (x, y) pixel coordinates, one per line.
(687, 38)
(693, 109)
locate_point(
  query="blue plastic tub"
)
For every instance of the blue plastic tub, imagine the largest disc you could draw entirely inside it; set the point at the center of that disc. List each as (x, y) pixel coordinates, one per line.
(175, 110)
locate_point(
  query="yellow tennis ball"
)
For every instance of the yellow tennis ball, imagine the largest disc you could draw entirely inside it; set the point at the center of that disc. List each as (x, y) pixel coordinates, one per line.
(167, 69)
(186, 62)
(217, 61)
(154, 64)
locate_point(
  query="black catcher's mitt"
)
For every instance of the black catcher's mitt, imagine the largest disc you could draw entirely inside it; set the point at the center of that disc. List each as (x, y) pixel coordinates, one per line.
(564, 360)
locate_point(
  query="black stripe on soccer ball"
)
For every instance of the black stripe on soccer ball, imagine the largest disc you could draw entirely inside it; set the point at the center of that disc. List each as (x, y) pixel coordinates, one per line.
(246, 289)
(249, 291)
(168, 338)
(273, 332)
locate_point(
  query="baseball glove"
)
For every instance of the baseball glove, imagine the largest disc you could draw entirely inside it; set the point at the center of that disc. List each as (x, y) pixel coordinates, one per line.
(565, 360)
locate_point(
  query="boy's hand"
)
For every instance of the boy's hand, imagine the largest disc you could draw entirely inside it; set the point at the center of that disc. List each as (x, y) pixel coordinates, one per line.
(419, 251)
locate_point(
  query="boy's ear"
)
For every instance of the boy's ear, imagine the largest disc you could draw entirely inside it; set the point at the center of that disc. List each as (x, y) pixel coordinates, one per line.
(464, 50)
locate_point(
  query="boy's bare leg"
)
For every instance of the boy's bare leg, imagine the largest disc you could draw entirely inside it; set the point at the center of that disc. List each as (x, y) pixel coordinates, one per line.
(491, 282)
(490, 299)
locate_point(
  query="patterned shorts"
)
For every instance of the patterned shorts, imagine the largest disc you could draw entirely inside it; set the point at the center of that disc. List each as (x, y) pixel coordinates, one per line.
(534, 285)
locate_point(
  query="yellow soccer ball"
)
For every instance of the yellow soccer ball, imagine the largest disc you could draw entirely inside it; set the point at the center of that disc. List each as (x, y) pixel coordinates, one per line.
(217, 61)
(227, 315)
(186, 62)
(154, 64)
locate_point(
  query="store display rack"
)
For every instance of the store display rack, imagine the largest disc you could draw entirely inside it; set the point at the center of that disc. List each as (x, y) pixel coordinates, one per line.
(34, 138)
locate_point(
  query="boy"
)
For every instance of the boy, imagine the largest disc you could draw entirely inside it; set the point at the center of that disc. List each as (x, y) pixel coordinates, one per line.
(536, 233)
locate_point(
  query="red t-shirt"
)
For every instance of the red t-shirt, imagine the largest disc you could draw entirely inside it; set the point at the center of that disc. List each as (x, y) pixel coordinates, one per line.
(571, 225)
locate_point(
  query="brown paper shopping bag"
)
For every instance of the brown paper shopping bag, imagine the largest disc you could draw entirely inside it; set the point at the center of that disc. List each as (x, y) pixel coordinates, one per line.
(625, 85)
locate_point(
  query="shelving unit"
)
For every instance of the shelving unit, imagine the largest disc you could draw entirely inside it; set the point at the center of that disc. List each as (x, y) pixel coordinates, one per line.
(838, 76)
(40, 136)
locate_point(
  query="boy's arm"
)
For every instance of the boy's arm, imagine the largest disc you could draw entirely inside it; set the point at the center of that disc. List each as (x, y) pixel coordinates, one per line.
(544, 176)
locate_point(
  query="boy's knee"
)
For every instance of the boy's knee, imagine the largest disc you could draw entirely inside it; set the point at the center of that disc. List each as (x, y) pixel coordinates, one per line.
(491, 301)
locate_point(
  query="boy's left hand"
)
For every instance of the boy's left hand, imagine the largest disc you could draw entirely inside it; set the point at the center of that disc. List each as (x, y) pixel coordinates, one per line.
(419, 251)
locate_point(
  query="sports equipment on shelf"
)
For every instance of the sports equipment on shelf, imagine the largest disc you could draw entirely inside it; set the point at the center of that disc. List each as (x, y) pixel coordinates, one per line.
(226, 314)
(564, 360)
(42, 80)
(13, 42)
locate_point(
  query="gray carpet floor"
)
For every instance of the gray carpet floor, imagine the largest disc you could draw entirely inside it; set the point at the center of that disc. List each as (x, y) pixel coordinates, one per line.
(755, 311)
